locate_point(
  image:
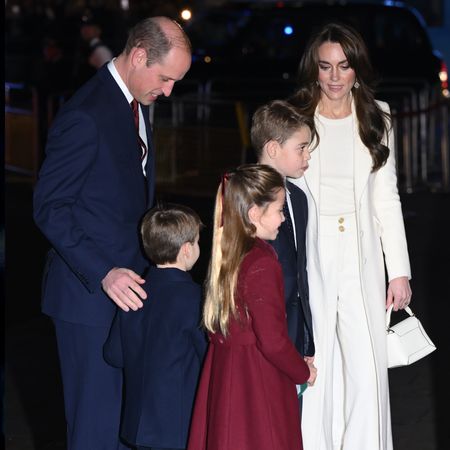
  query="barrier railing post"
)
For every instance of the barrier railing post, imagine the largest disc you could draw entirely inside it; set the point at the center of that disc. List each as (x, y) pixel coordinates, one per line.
(423, 105)
(406, 142)
(445, 150)
(413, 120)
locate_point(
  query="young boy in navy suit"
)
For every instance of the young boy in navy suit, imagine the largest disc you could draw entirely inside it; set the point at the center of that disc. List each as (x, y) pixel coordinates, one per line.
(281, 137)
(161, 347)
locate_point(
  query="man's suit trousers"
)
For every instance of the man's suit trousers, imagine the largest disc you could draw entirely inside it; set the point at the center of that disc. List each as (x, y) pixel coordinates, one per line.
(92, 388)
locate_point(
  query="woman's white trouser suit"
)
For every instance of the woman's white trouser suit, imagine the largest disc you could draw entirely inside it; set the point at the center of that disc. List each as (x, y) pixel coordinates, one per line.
(346, 276)
(352, 342)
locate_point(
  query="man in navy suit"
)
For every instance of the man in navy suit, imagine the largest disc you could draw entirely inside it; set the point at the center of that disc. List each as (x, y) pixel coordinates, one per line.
(95, 184)
(161, 346)
(281, 137)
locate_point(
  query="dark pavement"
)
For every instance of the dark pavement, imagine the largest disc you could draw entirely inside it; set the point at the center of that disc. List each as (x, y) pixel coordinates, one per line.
(33, 395)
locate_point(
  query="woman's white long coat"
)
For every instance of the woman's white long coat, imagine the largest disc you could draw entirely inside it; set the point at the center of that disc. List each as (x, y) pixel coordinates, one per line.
(380, 230)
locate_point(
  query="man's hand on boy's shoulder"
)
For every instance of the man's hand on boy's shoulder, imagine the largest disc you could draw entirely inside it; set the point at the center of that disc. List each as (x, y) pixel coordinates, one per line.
(123, 287)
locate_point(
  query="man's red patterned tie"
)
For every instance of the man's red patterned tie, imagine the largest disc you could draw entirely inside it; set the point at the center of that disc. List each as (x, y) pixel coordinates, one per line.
(135, 108)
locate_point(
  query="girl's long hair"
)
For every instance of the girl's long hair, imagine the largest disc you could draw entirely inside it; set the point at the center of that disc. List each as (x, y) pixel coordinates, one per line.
(373, 123)
(234, 236)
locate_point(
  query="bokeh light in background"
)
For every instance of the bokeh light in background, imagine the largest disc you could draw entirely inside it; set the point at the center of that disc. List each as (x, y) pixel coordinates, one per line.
(186, 14)
(288, 30)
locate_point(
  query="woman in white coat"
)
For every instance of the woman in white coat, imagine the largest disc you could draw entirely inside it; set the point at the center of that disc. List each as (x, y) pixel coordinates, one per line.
(355, 218)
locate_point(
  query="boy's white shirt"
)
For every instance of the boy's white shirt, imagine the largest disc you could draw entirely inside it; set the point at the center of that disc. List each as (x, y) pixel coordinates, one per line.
(291, 212)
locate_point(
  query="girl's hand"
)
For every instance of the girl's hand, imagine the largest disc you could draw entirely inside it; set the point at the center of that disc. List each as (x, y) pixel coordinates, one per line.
(312, 370)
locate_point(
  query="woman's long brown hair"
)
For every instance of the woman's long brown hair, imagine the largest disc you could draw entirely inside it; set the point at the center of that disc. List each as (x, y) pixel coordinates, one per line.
(373, 123)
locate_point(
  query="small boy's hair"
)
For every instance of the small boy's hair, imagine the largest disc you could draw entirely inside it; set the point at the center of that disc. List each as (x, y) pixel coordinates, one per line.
(277, 121)
(165, 228)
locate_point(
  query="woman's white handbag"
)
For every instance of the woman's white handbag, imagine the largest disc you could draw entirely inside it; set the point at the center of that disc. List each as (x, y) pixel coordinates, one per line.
(407, 341)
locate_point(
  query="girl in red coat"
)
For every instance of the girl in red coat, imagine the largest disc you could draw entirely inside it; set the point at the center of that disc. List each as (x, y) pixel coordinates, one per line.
(247, 397)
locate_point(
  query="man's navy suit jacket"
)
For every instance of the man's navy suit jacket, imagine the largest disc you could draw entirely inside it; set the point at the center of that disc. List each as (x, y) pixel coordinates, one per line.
(161, 349)
(89, 199)
(293, 263)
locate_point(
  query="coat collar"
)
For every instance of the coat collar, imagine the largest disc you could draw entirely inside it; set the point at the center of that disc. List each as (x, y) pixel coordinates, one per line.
(168, 274)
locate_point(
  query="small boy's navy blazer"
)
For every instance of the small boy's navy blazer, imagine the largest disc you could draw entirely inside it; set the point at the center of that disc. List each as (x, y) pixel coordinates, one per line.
(161, 349)
(293, 263)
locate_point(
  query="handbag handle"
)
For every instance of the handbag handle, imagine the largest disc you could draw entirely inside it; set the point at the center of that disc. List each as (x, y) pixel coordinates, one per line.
(389, 311)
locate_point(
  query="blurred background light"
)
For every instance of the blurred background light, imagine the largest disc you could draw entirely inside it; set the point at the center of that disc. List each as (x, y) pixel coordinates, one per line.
(288, 30)
(186, 14)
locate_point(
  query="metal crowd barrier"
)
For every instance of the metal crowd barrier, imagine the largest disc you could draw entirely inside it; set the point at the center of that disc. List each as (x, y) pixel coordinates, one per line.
(203, 129)
(207, 131)
(196, 140)
(421, 126)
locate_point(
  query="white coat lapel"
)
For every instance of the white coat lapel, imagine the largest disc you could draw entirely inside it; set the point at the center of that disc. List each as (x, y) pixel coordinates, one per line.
(312, 175)
(362, 160)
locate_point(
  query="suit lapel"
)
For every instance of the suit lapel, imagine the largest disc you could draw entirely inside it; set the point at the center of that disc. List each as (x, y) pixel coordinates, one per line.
(285, 241)
(301, 219)
(299, 227)
(148, 129)
(150, 164)
(127, 144)
(295, 210)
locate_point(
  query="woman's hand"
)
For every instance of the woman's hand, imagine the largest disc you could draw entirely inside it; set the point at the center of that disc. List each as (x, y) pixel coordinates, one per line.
(399, 293)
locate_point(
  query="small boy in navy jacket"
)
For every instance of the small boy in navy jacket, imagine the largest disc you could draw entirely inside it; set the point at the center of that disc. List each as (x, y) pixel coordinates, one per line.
(161, 346)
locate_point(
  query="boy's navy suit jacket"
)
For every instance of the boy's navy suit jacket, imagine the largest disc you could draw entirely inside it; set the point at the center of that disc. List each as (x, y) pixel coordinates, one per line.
(90, 198)
(293, 263)
(161, 349)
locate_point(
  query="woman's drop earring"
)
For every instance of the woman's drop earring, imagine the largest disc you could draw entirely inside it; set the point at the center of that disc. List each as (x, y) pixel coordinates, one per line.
(317, 83)
(356, 85)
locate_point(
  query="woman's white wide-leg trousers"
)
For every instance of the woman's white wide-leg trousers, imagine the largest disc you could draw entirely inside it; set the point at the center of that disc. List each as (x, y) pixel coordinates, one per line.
(351, 384)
